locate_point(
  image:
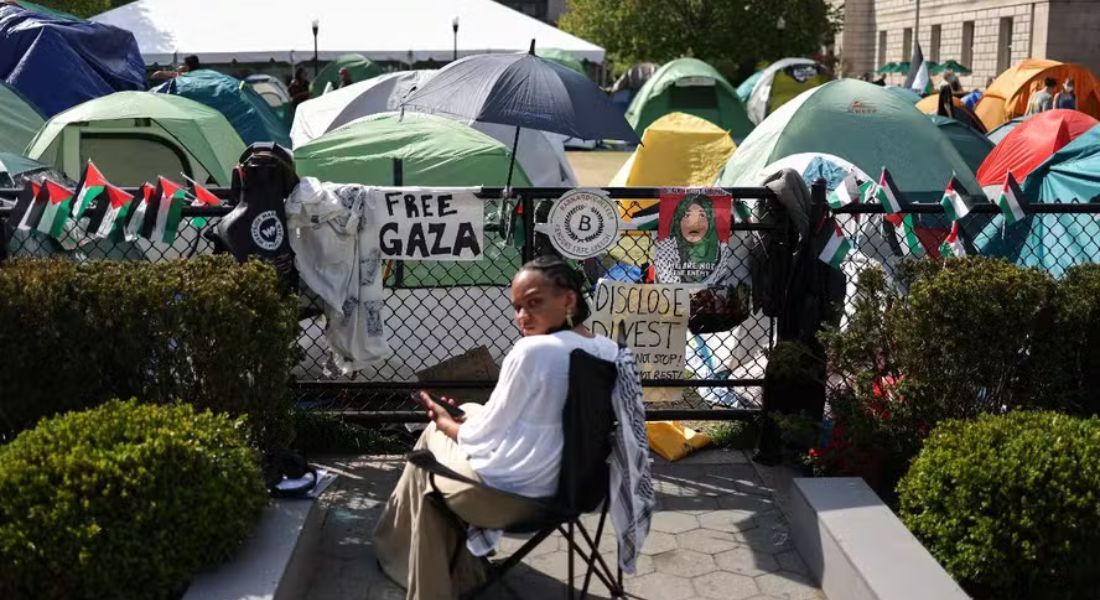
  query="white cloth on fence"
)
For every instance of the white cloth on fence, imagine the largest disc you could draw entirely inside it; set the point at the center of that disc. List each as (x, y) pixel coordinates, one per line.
(334, 234)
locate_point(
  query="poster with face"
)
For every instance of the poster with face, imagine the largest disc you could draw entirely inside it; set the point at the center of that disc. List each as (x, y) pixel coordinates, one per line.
(692, 234)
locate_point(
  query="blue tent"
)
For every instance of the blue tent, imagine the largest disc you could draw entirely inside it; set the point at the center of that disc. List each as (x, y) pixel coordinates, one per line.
(58, 62)
(248, 113)
(1053, 242)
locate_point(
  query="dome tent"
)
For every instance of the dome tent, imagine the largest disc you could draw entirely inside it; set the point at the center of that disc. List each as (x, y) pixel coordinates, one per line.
(691, 86)
(19, 120)
(679, 150)
(1008, 95)
(273, 91)
(861, 123)
(782, 81)
(359, 67)
(135, 136)
(1032, 143)
(247, 112)
(972, 146)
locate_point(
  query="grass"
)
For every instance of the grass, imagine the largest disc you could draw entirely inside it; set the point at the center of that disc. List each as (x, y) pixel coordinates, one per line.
(735, 435)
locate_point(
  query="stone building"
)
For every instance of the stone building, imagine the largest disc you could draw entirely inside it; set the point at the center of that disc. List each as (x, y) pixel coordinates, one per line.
(986, 35)
(544, 10)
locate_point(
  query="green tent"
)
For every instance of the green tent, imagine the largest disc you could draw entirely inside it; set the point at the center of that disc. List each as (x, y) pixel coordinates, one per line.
(247, 112)
(861, 123)
(563, 58)
(15, 168)
(135, 136)
(691, 86)
(359, 67)
(972, 146)
(19, 120)
(433, 151)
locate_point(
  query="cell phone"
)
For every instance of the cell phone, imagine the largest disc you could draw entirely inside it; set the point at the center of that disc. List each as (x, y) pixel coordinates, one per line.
(451, 409)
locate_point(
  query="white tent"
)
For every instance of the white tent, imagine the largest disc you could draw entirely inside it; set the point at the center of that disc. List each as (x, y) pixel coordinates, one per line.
(221, 31)
(541, 154)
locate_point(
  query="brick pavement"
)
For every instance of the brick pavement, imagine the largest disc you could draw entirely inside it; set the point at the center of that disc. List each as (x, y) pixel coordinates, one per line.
(717, 533)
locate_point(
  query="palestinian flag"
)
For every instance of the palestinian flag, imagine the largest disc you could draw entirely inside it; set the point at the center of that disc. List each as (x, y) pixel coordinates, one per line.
(846, 192)
(109, 221)
(25, 207)
(886, 193)
(90, 187)
(164, 212)
(952, 245)
(867, 191)
(136, 219)
(917, 78)
(59, 204)
(836, 249)
(646, 219)
(203, 197)
(742, 210)
(906, 231)
(1010, 201)
(954, 203)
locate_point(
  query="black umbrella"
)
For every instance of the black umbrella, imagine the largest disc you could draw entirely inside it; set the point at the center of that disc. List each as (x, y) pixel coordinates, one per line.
(525, 91)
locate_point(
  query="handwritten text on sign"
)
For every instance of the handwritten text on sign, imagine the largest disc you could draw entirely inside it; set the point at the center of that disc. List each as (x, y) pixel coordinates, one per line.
(425, 224)
(654, 319)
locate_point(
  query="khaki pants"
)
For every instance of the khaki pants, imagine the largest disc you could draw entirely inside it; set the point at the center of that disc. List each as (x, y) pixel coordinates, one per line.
(415, 540)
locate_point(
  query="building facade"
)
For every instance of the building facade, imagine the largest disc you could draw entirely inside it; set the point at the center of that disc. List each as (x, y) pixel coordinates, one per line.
(986, 35)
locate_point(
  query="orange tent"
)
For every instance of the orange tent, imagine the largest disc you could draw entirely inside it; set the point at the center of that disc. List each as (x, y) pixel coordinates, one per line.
(1007, 97)
(930, 105)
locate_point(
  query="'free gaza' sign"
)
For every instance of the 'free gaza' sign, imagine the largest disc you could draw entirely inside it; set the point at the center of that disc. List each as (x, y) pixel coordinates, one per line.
(430, 224)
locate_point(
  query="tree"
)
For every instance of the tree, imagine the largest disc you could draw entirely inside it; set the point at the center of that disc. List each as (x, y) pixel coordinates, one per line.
(82, 8)
(730, 34)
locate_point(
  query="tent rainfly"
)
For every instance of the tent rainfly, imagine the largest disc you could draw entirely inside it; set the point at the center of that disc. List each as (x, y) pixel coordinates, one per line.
(420, 31)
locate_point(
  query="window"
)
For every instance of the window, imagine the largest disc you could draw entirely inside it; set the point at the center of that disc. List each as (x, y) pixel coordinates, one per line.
(907, 43)
(1004, 44)
(133, 158)
(968, 45)
(881, 48)
(934, 47)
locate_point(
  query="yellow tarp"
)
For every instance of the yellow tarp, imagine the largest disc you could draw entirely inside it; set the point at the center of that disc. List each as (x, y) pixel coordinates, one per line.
(1008, 95)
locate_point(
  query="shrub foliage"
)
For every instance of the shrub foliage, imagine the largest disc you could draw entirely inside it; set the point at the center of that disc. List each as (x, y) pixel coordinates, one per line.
(126, 500)
(1009, 504)
(209, 331)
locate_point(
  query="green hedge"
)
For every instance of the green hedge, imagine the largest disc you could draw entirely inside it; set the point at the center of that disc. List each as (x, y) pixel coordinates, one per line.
(1010, 504)
(209, 331)
(126, 500)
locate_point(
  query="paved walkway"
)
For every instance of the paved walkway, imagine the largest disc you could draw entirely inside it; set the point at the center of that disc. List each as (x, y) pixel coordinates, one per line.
(718, 533)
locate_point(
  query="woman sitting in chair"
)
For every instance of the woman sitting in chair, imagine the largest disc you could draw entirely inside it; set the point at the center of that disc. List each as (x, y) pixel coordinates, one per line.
(512, 443)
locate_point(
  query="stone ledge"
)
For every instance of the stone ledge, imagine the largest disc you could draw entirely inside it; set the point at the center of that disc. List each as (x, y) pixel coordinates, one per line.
(271, 564)
(857, 549)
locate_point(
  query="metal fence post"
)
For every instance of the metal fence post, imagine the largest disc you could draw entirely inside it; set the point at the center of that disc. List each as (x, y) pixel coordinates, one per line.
(528, 207)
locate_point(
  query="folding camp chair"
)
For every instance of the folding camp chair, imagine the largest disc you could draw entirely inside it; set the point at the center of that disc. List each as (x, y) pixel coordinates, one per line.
(588, 426)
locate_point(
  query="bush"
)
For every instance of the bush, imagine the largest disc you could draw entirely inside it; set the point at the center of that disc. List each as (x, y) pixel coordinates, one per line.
(1008, 504)
(320, 433)
(126, 500)
(1077, 336)
(217, 334)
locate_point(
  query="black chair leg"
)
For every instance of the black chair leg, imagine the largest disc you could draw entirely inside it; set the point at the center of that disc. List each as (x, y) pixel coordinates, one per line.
(595, 551)
(569, 595)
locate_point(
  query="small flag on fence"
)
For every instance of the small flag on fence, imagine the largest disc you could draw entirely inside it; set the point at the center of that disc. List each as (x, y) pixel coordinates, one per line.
(906, 230)
(846, 192)
(887, 193)
(90, 187)
(1010, 201)
(742, 211)
(109, 220)
(836, 249)
(137, 215)
(164, 212)
(955, 205)
(58, 207)
(867, 191)
(20, 217)
(952, 245)
(203, 197)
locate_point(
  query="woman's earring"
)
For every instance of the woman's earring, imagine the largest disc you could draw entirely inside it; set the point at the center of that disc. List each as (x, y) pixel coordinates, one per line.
(569, 319)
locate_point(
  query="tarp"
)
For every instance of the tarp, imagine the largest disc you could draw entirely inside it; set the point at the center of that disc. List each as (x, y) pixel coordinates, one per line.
(360, 68)
(861, 123)
(689, 85)
(221, 31)
(972, 146)
(57, 63)
(780, 82)
(541, 155)
(247, 112)
(200, 131)
(19, 120)
(1008, 95)
(1032, 143)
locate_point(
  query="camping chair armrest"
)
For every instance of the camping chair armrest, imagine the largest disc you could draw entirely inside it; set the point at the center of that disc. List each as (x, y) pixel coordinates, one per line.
(424, 459)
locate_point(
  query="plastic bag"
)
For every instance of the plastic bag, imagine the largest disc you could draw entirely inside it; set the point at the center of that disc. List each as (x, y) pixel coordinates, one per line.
(672, 441)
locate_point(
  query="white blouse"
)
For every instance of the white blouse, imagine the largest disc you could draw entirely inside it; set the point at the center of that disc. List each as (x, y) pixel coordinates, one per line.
(515, 444)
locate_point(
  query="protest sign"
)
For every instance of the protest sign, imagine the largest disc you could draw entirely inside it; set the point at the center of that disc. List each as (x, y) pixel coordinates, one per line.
(654, 320)
(430, 224)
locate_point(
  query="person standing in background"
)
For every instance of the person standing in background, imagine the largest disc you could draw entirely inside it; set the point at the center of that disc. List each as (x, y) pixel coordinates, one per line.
(345, 78)
(299, 87)
(1066, 98)
(1043, 99)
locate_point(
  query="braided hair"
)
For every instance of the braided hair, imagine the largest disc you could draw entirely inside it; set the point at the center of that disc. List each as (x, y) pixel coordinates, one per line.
(564, 277)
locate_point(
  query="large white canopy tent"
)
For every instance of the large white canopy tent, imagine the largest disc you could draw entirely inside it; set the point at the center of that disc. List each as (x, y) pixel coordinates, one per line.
(221, 31)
